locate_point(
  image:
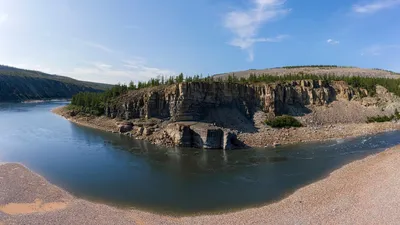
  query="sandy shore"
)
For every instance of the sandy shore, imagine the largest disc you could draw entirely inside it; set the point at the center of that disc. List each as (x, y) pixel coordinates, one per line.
(363, 192)
(266, 136)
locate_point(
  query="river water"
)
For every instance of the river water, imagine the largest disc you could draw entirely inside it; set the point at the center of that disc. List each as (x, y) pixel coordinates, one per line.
(118, 170)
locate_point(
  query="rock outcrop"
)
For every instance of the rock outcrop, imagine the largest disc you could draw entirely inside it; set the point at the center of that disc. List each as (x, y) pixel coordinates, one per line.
(170, 114)
(193, 101)
(125, 127)
(184, 102)
(196, 136)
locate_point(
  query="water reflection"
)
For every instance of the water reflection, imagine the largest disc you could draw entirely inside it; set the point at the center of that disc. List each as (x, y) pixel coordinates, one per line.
(119, 170)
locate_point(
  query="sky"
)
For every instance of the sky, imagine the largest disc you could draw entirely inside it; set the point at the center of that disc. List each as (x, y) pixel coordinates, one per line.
(115, 41)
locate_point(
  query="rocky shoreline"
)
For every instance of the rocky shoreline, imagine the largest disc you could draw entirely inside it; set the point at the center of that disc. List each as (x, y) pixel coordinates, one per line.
(363, 192)
(265, 137)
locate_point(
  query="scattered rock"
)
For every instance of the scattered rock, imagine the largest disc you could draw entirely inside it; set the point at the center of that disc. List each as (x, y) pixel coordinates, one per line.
(72, 113)
(276, 144)
(147, 131)
(139, 131)
(125, 128)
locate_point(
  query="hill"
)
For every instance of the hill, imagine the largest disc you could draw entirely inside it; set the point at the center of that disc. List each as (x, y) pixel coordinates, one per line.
(315, 70)
(21, 85)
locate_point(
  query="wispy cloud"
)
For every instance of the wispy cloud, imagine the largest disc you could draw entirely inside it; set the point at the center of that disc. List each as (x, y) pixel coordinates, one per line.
(94, 45)
(135, 69)
(101, 66)
(3, 17)
(332, 42)
(245, 24)
(98, 46)
(377, 50)
(375, 6)
(140, 66)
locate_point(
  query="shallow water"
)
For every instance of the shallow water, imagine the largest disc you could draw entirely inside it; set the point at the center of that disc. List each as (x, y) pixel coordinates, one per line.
(118, 170)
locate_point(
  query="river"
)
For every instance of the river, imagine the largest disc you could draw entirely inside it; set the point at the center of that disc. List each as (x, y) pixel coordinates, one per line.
(117, 170)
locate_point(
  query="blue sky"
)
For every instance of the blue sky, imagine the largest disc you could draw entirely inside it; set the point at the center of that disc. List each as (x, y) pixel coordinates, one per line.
(121, 40)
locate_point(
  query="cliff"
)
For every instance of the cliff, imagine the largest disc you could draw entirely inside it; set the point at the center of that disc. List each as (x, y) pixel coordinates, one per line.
(197, 100)
(215, 115)
(210, 115)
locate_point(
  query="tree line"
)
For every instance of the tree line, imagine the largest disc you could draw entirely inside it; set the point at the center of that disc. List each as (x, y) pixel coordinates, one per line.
(315, 66)
(94, 103)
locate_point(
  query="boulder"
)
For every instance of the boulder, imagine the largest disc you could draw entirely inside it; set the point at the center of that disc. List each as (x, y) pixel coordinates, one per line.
(147, 131)
(276, 144)
(125, 128)
(72, 113)
(180, 134)
(139, 131)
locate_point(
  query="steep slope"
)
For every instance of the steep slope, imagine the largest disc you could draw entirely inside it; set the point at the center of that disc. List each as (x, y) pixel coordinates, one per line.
(20, 85)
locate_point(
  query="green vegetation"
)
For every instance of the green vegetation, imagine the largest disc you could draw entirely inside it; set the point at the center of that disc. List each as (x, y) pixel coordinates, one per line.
(283, 122)
(20, 85)
(381, 119)
(95, 102)
(309, 66)
(367, 83)
(316, 66)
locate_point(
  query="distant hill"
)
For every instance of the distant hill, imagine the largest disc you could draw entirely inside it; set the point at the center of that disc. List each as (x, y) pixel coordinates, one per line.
(315, 70)
(21, 85)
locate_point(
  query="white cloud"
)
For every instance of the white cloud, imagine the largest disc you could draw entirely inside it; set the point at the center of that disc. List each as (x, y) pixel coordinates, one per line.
(95, 45)
(102, 66)
(245, 24)
(134, 69)
(30, 66)
(99, 46)
(375, 6)
(332, 42)
(3, 17)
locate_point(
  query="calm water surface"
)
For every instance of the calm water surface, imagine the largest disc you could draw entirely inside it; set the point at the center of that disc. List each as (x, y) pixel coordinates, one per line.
(117, 170)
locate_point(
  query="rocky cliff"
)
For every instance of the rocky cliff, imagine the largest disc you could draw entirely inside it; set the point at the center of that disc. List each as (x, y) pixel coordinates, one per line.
(209, 115)
(194, 101)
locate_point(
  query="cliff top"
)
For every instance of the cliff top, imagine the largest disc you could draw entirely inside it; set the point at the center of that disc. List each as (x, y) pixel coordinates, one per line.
(315, 70)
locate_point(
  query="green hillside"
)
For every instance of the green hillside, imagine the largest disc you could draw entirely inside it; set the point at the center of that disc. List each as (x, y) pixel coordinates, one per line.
(21, 85)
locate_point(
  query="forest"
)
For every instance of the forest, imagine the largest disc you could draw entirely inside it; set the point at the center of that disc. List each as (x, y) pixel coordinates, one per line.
(20, 85)
(94, 103)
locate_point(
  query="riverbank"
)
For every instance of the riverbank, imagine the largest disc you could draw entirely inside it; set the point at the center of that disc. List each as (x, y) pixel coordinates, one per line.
(362, 192)
(264, 137)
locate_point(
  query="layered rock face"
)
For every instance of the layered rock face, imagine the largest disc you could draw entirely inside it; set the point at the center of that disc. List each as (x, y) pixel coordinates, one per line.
(192, 101)
(291, 98)
(219, 107)
(185, 101)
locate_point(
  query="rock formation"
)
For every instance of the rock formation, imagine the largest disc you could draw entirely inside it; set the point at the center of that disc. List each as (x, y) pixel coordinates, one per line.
(193, 101)
(202, 137)
(182, 106)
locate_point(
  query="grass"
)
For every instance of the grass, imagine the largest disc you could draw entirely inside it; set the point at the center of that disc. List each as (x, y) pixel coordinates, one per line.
(382, 119)
(283, 122)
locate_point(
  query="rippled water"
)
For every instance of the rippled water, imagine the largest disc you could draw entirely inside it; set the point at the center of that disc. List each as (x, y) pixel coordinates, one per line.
(115, 169)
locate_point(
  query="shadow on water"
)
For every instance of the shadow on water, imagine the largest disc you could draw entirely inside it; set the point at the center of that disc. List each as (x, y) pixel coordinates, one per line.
(118, 170)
